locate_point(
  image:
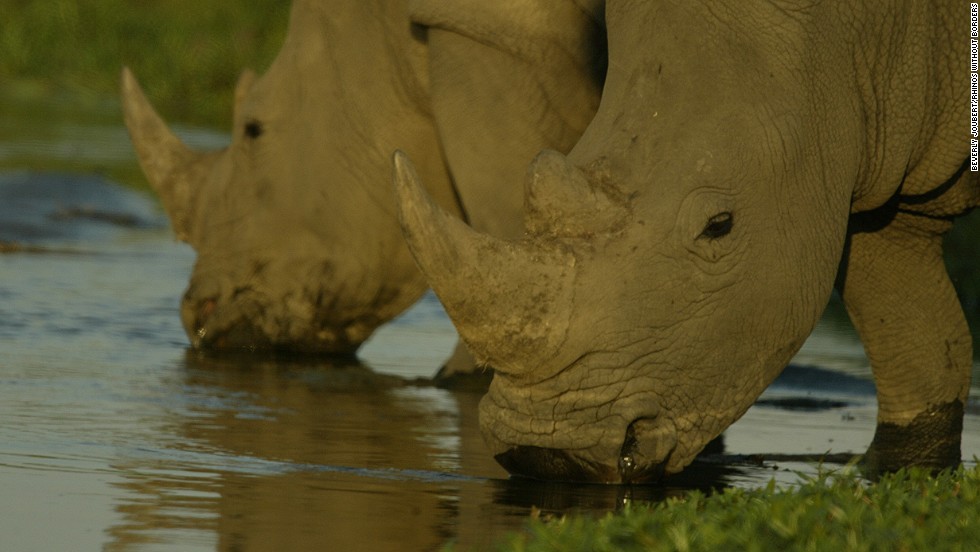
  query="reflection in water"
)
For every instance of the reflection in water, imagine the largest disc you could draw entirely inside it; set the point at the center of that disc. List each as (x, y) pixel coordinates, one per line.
(284, 448)
(295, 454)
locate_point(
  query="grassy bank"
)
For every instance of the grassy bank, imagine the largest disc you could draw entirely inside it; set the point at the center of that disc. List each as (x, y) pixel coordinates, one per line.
(906, 511)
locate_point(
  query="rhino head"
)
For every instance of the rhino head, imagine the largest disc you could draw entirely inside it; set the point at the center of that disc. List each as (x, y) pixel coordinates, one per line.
(672, 263)
(296, 234)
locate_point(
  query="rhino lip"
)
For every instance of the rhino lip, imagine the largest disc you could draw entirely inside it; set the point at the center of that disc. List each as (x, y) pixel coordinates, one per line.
(548, 464)
(241, 335)
(557, 465)
(560, 465)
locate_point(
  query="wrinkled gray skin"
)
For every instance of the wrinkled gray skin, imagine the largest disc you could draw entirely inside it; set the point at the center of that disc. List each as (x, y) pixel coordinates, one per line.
(294, 223)
(744, 157)
(508, 78)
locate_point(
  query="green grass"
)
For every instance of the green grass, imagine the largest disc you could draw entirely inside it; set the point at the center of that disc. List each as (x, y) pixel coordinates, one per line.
(187, 53)
(910, 510)
(60, 62)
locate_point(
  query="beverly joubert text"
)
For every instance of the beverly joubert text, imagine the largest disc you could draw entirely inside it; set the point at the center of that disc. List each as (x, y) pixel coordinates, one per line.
(974, 87)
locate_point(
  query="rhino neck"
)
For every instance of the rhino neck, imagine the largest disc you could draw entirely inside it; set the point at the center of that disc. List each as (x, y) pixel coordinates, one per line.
(367, 64)
(366, 48)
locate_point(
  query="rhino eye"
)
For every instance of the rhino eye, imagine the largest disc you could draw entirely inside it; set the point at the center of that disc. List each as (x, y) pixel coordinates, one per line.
(718, 226)
(253, 128)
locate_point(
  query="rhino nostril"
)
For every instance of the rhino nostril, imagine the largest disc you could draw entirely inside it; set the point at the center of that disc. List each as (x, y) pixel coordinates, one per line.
(630, 469)
(627, 454)
(205, 309)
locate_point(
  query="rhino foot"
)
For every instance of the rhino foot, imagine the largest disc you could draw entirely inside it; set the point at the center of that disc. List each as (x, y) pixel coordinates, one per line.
(931, 441)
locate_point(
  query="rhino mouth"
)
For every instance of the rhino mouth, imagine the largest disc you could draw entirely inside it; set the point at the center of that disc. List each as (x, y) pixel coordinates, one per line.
(555, 464)
(250, 326)
(239, 336)
(245, 336)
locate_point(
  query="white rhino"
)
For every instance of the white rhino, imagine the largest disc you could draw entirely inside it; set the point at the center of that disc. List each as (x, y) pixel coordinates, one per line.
(294, 223)
(744, 157)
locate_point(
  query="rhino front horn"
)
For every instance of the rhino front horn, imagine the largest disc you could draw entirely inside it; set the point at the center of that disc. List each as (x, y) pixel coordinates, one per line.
(511, 298)
(169, 165)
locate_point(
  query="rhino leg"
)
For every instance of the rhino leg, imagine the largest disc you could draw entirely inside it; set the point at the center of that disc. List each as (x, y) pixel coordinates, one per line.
(901, 300)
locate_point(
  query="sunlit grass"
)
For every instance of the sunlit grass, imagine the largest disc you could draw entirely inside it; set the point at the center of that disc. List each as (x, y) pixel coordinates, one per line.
(187, 53)
(910, 511)
(60, 62)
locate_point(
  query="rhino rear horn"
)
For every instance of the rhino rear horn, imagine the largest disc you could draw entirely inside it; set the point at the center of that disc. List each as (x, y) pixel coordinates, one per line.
(510, 301)
(562, 200)
(169, 165)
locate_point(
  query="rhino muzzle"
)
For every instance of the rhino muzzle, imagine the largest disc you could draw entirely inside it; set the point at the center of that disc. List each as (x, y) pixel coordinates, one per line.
(247, 325)
(555, 464)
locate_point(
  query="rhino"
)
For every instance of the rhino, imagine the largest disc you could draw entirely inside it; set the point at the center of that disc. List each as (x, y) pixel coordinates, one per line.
(294, 252)
(745, 158)
(294, 223)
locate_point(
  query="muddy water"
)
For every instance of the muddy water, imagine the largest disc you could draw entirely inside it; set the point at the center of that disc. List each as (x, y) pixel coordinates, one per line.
(114, 435)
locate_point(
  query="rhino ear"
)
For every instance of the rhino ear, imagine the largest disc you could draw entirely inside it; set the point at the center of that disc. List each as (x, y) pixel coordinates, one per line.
(560, 200)
(169, 165)
(245, 82)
